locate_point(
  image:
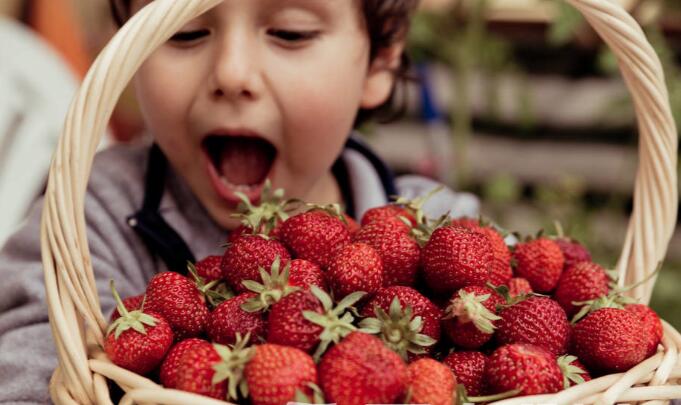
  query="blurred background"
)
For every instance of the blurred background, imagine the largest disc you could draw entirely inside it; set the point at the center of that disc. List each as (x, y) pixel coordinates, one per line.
(517, 101)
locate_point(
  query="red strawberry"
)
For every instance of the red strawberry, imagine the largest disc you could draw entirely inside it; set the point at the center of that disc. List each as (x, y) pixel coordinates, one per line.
(400, 329)
(179, 301)
(519, 286)
(275, 373)
(381, 214)
(582, 282)
(540, 261)
(399, 252)
(536, 320)
(229, 320)
(361, 370)
(305, 274)
(137, 340)
(130, 303)
(356, 267)
(573, 371)
(529, 368)
(456, 257)
(315, 236)
(573, 251)
(409, 297)
(287, 325)
(246, 255)
(209, 268)
(168, 372)
(469, 370)
(307, 319)
(470, 318)
(652, 326)
(609, 340)
(214, 370)
(501, 271)
(353, 226)
(431, 382)
(466, 222)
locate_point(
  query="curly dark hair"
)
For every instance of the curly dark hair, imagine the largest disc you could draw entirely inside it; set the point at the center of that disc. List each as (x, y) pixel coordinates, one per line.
(387, 22)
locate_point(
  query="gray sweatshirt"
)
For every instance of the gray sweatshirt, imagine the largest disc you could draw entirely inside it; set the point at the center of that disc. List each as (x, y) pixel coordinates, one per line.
(115, 191)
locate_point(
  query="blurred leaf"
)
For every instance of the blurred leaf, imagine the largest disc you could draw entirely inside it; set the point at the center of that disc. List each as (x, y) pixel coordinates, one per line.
(565, 25)
(502, 189)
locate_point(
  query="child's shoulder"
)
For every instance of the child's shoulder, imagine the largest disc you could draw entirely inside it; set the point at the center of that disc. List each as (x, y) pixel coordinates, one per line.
(457, 204)
(118, 171)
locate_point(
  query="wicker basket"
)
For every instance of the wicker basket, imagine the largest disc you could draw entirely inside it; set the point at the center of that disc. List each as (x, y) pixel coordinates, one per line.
(76, 318)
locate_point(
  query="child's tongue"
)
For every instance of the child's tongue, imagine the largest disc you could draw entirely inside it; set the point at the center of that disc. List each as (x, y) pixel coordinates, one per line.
(245, 161)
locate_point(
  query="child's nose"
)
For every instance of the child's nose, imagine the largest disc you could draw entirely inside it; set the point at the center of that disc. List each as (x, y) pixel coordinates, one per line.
(236, 73)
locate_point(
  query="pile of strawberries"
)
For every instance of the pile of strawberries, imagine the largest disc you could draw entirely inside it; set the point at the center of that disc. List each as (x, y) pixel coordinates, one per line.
(402, 309)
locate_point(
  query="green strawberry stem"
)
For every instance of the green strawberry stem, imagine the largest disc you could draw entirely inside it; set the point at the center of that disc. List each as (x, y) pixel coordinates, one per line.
(398, 330)
(317, 395)
(273, 207)
(469, 308)
(214, 291)
(273, 288)
(337, 323)
(231, 367)
(128, 319)
(570, 371)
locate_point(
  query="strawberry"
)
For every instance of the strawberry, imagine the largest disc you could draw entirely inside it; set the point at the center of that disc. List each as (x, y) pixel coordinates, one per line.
(573, 251)
(408, 297)
(582, 282)
(609, 340)
(519, 286)
(214, 370)
(305, 274)
(270, 211)
(315, 236)
(275, 373)
(540, 261)
(399, 330)
(501, 271)
(168, 372)
(456, 257)
(573, 371)
(531, 369)
(399, 252)
(356, 267)
(179, 301)
(469, 320)
(209, 268)
(652, 326)
(229, 320)
(130, 303)
(352, 225)
(469, 370)
(137, 340)
(466, 222)
(246, 255)
(361, 370)
(382, 213)
(536, 320)
(431, 382)
(307, 319)
(287, 325)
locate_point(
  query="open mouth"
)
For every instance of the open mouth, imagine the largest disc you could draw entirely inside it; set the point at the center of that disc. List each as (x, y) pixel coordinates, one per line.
(242, 163)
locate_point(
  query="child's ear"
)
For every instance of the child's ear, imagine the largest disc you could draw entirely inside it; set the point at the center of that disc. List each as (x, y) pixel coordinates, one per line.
(381, 76)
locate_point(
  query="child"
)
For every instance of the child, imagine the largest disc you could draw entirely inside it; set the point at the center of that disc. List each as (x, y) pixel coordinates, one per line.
(253, 89)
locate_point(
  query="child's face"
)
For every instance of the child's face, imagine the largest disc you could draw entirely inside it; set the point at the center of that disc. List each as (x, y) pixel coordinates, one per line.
(258, 89)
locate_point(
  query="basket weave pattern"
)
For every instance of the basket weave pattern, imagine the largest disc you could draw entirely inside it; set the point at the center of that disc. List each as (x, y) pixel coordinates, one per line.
(76, 318)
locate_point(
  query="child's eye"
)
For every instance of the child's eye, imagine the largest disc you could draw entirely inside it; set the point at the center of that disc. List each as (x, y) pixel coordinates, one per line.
(188, 36)
(292, 36)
